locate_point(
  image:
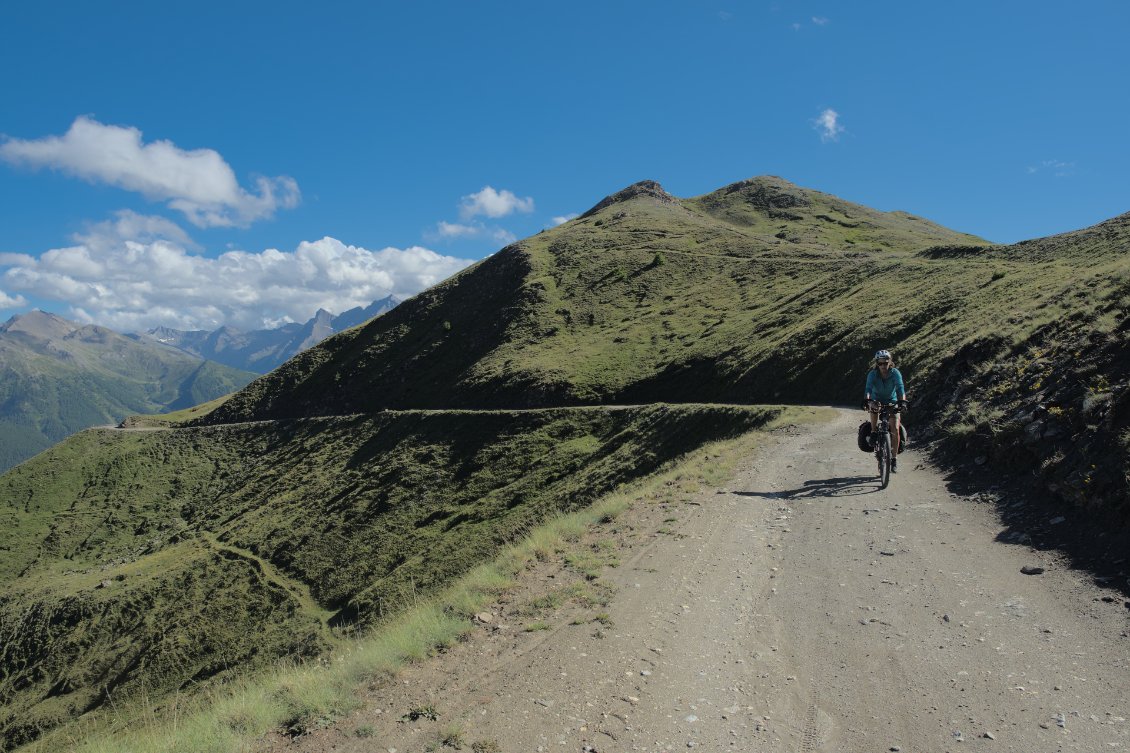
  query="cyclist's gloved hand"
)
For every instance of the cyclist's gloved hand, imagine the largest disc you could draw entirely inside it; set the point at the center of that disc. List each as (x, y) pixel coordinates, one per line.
(865, 404)
(902, 406)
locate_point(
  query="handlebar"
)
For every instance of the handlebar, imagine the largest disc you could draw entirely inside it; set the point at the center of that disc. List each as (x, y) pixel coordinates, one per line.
(876, 406)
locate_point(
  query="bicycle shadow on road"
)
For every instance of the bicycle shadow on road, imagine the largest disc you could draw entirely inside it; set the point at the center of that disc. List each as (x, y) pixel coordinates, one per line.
(843, 486)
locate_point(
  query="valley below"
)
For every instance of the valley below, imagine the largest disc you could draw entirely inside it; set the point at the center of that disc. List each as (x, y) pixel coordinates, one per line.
(795, 607)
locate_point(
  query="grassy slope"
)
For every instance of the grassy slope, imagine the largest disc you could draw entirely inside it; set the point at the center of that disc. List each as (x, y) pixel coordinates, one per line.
(759, 292)
(631, 301)
(763, 292)
(139, 562)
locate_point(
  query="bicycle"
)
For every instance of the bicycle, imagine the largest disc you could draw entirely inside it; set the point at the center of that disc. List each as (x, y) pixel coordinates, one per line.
(883, 451)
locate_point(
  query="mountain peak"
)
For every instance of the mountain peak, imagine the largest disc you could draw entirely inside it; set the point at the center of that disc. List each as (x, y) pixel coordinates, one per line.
(39, 324)
(262, 350)
(649, 188)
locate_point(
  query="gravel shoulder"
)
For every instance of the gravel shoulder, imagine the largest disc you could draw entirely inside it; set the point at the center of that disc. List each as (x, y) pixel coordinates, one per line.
(798, 608)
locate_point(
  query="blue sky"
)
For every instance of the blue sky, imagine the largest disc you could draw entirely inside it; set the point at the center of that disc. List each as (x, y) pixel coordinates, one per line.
(246, 163)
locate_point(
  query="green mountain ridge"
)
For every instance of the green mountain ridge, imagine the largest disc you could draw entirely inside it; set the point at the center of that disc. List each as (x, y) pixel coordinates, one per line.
(640, 288)
(57, 377)
(389, 458)
(763, 292)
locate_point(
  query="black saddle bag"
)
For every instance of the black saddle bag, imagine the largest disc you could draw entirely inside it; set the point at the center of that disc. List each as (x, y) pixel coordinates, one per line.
(864, 439)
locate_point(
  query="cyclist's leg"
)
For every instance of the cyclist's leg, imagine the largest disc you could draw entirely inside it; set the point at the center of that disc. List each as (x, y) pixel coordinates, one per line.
(895, 436)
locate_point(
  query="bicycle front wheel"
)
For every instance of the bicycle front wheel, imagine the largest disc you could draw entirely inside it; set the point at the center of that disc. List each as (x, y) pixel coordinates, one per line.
(884, 454)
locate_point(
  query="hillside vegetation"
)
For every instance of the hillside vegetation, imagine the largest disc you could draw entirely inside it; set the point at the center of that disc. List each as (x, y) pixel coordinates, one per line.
(394, 456)
(140, 562)
(57, 377)
(645, 297)
(765, 292)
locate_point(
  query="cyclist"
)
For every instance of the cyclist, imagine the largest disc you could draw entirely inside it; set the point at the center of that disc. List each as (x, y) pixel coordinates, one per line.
(884, 383)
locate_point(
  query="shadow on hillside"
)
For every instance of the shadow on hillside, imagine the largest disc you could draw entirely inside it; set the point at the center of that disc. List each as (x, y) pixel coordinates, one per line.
(844, 486)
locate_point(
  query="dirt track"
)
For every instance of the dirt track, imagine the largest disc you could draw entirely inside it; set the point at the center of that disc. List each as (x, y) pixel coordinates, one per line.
(797, 609)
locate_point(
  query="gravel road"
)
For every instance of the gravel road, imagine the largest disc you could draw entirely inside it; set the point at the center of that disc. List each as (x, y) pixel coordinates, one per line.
(799, 608)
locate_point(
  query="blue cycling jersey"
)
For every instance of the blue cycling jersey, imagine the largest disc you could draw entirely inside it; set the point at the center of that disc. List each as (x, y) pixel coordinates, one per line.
(885, 390)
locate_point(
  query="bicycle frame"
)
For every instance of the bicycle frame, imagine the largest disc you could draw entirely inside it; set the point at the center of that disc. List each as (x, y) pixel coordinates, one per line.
(884, 453)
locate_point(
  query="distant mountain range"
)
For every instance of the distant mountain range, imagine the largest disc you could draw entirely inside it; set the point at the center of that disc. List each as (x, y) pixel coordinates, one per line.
(263, 350)
(58, 377)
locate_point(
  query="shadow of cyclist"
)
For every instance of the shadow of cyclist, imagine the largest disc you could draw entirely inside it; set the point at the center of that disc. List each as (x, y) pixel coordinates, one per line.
(844, 486)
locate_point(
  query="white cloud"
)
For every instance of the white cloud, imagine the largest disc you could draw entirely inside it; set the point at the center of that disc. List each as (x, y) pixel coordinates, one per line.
(503, 236)
(11, 302)
(820, 20)
(828, 124)
(562, 219)
(449, 230)
(1059, 168)
(12, 260)
(131, 226)
(456, 230)
(136, 284)
(487, 202)
(493, 204)
(197, 183)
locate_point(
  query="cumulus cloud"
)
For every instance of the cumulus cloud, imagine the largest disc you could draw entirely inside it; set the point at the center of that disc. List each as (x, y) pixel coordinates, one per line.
(562, 219)
(489, 203)
(828, 125)
(131, 226)
(198, 183)
(136, 284)
(493, 204)
(11, 302)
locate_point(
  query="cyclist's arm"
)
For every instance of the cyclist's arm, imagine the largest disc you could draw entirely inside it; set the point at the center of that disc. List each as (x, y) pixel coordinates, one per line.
(900, 388)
